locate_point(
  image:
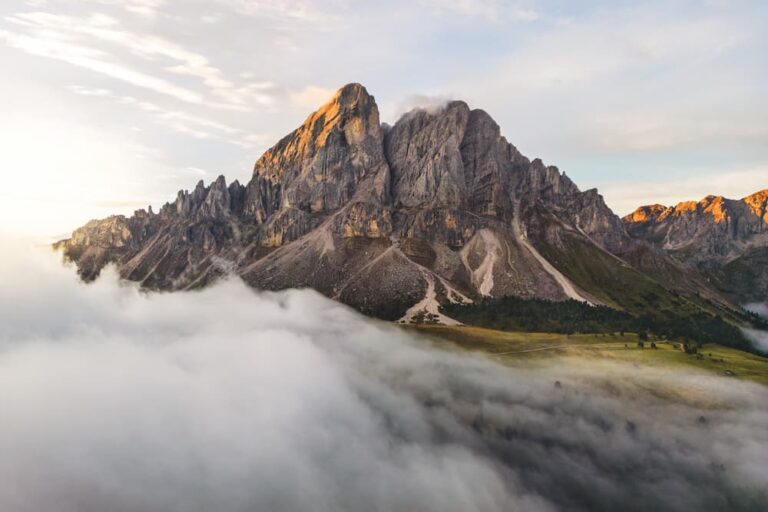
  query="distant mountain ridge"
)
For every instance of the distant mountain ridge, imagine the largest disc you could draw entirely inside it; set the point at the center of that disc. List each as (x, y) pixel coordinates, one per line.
(725, 239)
(396, 221)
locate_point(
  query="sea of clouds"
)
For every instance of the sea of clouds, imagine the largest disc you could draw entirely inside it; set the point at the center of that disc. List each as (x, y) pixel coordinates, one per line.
(231, 400)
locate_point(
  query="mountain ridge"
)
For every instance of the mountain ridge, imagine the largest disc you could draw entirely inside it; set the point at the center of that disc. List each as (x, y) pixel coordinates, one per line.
(436, 209)
(725, 239)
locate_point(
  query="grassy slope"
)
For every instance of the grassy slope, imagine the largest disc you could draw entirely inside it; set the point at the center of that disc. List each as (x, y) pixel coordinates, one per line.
(745, 276)
(617, 284)
(610, 280)
(523, 348)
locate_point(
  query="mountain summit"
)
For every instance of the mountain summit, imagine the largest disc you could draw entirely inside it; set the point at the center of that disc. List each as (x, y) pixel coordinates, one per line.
(393, 221)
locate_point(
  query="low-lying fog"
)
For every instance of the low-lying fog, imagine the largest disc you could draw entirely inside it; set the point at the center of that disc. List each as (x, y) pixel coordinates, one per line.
(758, 337)
(758, 308)
(232, 400)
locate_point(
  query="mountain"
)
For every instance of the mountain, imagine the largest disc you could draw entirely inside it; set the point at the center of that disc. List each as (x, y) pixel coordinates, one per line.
(725, 239)
(395, 221)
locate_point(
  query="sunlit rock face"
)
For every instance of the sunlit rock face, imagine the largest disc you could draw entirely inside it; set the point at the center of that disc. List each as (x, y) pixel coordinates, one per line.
(725, 238)
(712, 228)
(335, 156)
(436, 207)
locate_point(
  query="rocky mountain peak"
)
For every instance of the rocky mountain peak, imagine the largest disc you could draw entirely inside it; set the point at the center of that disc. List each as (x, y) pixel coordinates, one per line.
(351, 110)
(700, 232)
(725, 239)
(390, 220)
(321, 165)
(712, 209)
(423, 151)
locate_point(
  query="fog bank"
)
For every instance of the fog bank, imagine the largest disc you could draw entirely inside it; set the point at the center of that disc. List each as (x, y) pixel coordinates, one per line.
(758, 338)
(233, 400)
(758, 308)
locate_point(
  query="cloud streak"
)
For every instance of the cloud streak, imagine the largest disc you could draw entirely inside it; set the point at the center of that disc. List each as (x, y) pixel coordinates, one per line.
(235, 400)
(72, 39)
(180, 121)
(497, 11)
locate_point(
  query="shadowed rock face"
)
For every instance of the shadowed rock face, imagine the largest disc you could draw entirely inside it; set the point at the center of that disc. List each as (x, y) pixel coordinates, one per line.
(726, 239)
(439, 207)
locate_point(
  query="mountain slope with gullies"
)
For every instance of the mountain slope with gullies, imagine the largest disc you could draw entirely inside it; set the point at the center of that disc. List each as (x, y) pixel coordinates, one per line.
(725, 239)
(394, 221)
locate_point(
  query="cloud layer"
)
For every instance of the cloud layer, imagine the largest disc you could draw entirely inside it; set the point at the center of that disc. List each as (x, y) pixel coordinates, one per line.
(233, 400)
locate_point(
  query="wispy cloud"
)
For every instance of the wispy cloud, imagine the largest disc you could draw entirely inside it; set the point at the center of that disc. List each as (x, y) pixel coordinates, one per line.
(145, 8)
(493, 10)
(295, 10)
(51, 35)
(428, 102)
(582, 53)
(649, 130)
(180, 121)
(97, 61)
(148, 8)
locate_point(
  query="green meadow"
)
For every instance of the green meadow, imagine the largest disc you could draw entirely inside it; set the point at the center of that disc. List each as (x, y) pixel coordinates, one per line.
(520, 348)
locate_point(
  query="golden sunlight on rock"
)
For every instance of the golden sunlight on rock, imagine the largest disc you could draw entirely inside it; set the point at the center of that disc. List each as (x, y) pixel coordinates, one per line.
(758, 203)
(646, 213)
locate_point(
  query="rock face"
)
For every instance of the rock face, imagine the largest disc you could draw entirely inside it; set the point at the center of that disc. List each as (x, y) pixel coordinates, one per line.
(390, 220)
(335, 157)
(725, 239)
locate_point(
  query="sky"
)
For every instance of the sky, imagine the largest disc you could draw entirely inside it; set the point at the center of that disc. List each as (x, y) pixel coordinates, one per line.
(112, 105)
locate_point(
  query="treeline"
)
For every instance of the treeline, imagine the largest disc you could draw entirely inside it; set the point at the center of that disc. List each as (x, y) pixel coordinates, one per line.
(757, 321)
(538, 315)
(571, 316)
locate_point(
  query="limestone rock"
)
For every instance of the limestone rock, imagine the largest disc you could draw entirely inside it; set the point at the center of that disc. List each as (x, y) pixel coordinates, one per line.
(438, 208)
(725, 239)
